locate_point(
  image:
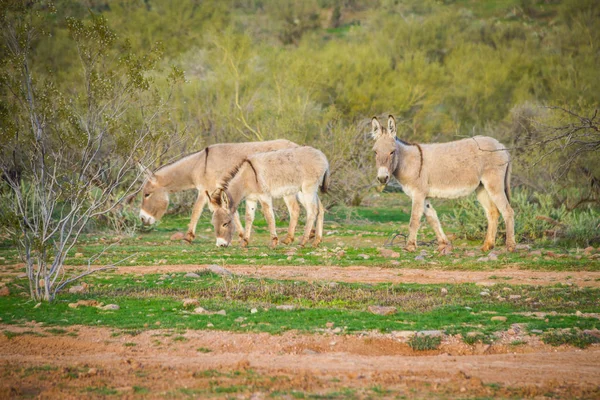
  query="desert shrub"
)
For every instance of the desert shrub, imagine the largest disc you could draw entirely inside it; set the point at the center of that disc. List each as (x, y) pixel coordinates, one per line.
(573, 337)
(424, 342)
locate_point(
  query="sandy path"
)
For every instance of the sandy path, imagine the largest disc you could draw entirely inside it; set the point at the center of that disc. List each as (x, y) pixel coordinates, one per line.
(393, 275)
(317, 359)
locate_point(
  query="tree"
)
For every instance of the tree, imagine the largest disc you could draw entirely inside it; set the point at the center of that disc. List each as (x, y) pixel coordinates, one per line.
(70, 148)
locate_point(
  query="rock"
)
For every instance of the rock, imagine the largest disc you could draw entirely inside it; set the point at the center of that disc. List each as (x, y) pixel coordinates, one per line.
(4, 291)
(486, 284)
(337, 330)
(443, 291)
(209, 325)
(403, 334)
(536, 331)
(514, 297)
(493, 256)
(364, 256)
(535, 253)
(329, 325)
(37, 305)
(507, 289)
(73, 305)
(484, 293)
(190, 303)
(177, 236)
(309, 351)
(511, 332)
(333, 284)
(22, 275)
(239, 319)
(483, 259)
(77, 289)
(419, 258)
(389, 253)
(499, 318)
(430, 333)
(578, 313)
(341, 253)
(469, 254)
(78, 255)
(221, 312)
(588, 250)
(523, 247)
(382, 310)
(474, 334)
(214, 268)
(191, 275)
(253, 311)
(201, 310)
(285, 307)
(110, 307)
(592, 332)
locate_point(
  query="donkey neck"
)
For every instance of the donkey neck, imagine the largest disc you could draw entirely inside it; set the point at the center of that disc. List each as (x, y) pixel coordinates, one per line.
(179, 175)
(409, 161)
(243, 184)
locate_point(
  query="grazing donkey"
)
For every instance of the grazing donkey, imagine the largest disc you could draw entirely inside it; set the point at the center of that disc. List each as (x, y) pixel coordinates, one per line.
(262, 177)
(447, 170)
(201, 171)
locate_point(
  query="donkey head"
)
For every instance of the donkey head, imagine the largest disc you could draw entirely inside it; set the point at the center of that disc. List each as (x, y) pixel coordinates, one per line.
(386, 154)
(155, 199)
(221, 205)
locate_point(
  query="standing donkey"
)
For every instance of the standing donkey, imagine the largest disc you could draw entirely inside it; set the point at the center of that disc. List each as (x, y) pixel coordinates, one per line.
(201, 171)
(447, 170)
(299, 171)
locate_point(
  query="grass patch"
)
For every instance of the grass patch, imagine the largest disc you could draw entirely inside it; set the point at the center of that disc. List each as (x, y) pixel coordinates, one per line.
(203, 350)
(140, 390)
(129, 344)
(11, 335)
(424, 342)
(101, 390)
(571, 337)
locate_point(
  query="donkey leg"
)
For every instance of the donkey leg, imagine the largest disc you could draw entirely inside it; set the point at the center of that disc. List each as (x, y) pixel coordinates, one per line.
(294, 209)
(250, 213)
(320, 219)
(238, 226)
(267, 208)
(492, 214)
(196, 212)
(418, 205)
(309, 202)
(496, 193)
(444, 245)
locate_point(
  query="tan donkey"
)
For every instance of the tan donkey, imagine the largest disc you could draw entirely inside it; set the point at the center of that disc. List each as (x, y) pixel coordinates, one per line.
(201, 171)
(262, 177)
(447, 170)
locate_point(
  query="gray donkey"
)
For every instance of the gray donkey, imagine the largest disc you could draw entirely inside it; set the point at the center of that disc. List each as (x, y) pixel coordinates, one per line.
(447, 170)
(261, 177)
(201, 171)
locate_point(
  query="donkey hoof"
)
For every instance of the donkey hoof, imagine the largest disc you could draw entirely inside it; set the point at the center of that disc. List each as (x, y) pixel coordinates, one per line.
(288, 240)
(274, 242)
(243, 242)
(316, 243)
(411, 247)
(510, 247)
(189, 237)
(487, 246)
(312, 234)
(444, 249)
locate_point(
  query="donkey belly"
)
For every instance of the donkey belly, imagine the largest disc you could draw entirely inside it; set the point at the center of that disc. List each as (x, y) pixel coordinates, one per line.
(283, 191)
(451, 192)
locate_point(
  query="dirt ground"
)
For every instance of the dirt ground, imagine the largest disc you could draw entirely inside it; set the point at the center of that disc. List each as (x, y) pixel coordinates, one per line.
(511, 276)
(257, 364)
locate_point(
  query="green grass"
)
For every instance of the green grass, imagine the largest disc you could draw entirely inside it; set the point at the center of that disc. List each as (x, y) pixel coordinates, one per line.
(424, 342)
(203, 350)
(571, 337)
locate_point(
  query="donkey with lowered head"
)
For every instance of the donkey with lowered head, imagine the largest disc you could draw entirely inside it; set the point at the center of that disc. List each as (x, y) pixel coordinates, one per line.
(261, 177)
(201, 171)
(447, 170)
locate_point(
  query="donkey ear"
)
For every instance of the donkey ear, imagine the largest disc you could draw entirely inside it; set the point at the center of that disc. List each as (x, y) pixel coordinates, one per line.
(215, 197)
(376, 128)
(224, 199)
(392, 125)
(149, 174)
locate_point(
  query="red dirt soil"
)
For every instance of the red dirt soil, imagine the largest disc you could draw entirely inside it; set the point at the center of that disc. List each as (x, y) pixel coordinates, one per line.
(258, 364)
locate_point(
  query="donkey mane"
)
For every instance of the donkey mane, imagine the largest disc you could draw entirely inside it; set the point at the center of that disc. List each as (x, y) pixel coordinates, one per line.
(404, 142)
(233, 173)
(184, 157)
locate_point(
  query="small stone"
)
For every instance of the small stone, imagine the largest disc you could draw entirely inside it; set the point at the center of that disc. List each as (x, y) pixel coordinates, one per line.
(190, 303)
(37, 305)
(419, 258)
(578, 313)
(507, 289)
(78, 255)
(77, 289)
(523, 247)
(499, 318)
(214, 268)
(191, 275)
(588, 250)
(253, 311)
(493, 256)
(22, 275)
(469, 253)
(340, 253)
(73, 305)
(309, 351)
(443, 291)
(92, 372)
(514, 297)
(239, 319)
(4, 291)
(364, 256)
(157, 323)
(285, 307)
(483, 259)
(209, 325)
(431, 333)
(389, 253)
(474, 334)
(535, 253)
(333, 284)
(200, 310)
(511, 332)
(484, 293)
(382, 310)
(403, 334)
(536, 331)
(110, 307)
(221, 312)
(337, 330)
(177, 236)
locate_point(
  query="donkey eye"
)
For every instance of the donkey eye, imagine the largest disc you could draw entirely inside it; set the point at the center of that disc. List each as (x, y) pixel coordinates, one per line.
(392, 153)
(226, 224)
(147, 195)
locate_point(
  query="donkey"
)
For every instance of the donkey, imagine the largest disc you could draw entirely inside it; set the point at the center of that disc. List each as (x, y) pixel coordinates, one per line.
(201, 171)
(262, 177)
(447, 170)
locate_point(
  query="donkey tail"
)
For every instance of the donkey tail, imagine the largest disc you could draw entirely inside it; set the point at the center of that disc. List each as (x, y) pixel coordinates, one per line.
(507, 180)
(325, 182)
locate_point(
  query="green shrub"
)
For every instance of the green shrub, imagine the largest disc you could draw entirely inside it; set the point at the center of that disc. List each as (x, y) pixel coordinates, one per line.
(424, 342)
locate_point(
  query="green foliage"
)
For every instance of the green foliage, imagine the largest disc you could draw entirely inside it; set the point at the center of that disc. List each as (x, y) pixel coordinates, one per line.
(424, 342)
(571, 337)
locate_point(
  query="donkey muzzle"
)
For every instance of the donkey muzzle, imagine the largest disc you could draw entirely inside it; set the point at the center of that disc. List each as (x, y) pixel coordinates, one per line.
(222, 242)
(383, 176)
(146, 218)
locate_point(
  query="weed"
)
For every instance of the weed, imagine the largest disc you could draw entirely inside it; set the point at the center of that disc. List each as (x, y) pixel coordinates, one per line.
(518, 342)
(130, 344)
(571, 337)
(140, 390)
(424, 342)
(180, 339)
(101, 390)
(56, 331)
(203, 350)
